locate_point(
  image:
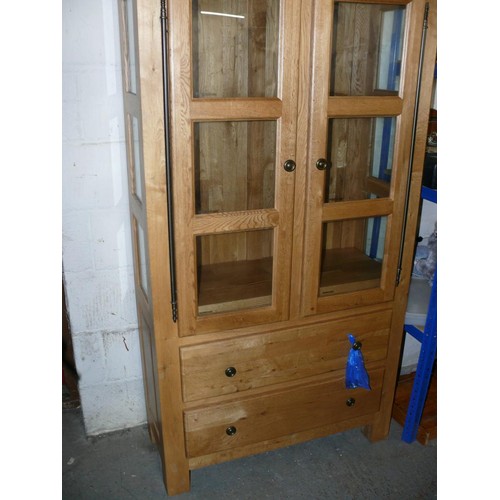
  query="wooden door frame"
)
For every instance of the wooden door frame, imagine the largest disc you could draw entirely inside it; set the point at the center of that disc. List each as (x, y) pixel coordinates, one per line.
(185, 111)
(401, 106)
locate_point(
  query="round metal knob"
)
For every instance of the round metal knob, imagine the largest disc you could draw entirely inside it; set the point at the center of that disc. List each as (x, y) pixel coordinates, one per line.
(322, 164)
(350, 402)
(357, 345)
(289, 165)
(230, 372)
(231, 431)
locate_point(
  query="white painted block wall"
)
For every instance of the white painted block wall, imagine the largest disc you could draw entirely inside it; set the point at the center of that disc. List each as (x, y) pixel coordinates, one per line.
(97, 253)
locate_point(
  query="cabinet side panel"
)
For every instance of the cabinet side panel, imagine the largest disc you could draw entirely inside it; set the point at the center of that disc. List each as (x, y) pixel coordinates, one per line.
(148, 207)
(381, 426)
(135, 175)
(151, 63)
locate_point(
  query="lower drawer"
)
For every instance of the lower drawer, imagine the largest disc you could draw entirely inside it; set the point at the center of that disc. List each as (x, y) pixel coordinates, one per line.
(251, 420)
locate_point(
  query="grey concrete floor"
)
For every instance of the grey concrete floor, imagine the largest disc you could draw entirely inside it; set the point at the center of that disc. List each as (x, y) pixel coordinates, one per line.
(125, 465)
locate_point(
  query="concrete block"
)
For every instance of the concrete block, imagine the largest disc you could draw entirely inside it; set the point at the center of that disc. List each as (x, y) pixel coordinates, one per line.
(113, 406)
(101, 112)
(84, 31)
(101, 300)
(76, 227)
(72, 129)
(122, 354)
(94, 176)
(77, 257)
(89, 358)
(69, 87)
(111, 239)
(76, 242)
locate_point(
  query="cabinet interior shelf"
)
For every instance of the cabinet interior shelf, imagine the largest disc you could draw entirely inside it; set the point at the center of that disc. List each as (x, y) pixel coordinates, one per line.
(243, 284)
(348, 270)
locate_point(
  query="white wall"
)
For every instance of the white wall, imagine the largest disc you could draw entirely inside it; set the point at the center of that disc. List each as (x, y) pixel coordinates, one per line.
(97, 253)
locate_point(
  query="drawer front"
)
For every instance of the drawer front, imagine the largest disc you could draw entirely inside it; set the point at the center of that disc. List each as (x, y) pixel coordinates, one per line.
(278, 414)
(245, 363)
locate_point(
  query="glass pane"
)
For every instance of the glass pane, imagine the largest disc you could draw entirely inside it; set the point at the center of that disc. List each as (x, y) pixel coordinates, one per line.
(234, 271)
(141, 257)
(235, 48)
(136, 158)
(352, 254)
(360, 151)
(367, 49)
(234, 165)
(131, 73)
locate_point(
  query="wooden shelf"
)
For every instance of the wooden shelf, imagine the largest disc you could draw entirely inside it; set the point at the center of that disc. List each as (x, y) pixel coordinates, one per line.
(235, 285)
(348, 270)
(427, 429)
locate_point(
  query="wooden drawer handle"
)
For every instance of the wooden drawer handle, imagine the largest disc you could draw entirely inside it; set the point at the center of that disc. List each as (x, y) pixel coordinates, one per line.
(231, 431)
(350, 402)
(230, 372)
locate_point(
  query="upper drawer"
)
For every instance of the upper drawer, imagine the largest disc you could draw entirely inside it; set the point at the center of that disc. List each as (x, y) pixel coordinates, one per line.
(244, 363)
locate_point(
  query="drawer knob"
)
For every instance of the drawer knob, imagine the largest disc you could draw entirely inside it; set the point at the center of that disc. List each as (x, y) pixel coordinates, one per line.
(231, 431)
(230, 372)
(357, 345)
(350, 402)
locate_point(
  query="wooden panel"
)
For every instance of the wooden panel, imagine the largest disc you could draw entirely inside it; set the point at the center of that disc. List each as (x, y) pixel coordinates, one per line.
(230, 222)
(354, 54)
(378, 187)
(236, 109)
(356, 209)
(235, 56)
(384, 2)
(266, 359)
(278, 414)
(369, 106)
(150, 371)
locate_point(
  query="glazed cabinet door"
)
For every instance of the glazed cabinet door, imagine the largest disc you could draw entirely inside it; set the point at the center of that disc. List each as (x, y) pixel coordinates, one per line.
(364, 58)
(233, 74)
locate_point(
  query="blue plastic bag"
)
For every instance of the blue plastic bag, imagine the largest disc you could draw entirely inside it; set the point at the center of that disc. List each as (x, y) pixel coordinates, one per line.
(355, 372)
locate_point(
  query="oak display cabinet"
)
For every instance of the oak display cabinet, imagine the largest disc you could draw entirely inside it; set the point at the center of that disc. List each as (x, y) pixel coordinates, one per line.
(275, 152)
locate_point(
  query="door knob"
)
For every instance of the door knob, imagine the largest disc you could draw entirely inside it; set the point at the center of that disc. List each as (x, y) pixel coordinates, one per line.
(289, 165)
(322, 164)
